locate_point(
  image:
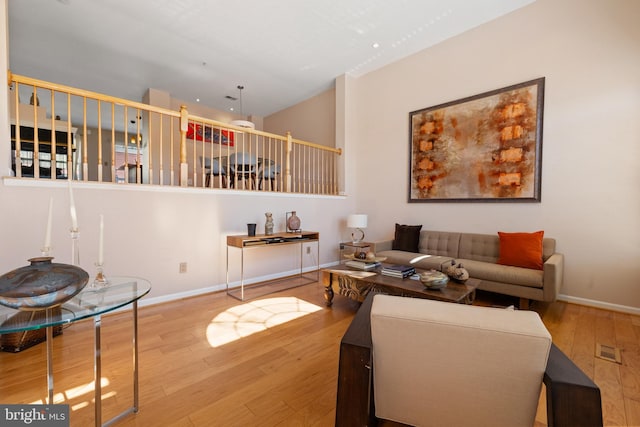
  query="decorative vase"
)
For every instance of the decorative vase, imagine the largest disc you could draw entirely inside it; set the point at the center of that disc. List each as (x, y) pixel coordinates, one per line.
(293, 222)
(41, 285)
(34, 100)
(268, 225)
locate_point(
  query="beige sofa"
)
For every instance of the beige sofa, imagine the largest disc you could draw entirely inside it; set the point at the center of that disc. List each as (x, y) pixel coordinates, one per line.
(479, 253)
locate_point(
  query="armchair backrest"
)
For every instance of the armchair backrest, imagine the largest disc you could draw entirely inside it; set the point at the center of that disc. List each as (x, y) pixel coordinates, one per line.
(437, 363)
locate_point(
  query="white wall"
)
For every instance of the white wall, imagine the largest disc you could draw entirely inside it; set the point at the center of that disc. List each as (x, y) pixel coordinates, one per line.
(589, 53)
(149, 233)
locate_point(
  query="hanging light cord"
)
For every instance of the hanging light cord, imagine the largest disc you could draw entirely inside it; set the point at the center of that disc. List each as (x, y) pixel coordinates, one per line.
(240, 87)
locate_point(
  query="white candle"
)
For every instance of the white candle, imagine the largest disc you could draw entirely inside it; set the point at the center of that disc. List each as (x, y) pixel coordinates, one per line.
(72, 208)
(101, 243)
(47, 235)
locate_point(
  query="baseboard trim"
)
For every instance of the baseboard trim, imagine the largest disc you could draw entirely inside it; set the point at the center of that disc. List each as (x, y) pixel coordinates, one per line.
(221, 287)
(599, 304)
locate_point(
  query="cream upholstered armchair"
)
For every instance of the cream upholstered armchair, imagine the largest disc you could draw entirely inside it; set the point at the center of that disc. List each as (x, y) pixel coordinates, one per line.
(422, 362)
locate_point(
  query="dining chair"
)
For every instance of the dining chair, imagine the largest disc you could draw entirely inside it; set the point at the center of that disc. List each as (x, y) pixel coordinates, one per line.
(213, 168)
(268, 170)
(243, 166)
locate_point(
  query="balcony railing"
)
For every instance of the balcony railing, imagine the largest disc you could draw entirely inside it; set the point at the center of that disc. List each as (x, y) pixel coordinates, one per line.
(68, 133)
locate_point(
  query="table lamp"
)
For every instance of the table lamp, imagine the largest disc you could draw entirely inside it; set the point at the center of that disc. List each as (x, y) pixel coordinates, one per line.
(357, 221)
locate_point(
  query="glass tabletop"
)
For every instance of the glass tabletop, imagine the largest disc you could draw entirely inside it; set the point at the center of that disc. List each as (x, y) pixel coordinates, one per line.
(89, 302)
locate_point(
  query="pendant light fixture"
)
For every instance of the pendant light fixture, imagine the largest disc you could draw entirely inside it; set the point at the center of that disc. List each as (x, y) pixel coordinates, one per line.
(242, 123)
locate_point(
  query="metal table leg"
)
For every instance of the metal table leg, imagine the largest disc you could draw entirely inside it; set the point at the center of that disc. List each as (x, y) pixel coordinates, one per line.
(49, 338)
(98, 372)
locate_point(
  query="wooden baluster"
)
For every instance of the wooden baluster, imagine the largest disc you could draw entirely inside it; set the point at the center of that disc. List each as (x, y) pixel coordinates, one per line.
(184, 126)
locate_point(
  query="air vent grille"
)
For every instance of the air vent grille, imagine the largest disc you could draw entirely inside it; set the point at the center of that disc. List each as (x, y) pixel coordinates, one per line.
(605, 352)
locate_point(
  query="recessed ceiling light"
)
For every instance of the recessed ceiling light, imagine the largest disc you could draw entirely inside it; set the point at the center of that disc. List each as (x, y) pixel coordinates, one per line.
(197, 99)
(231, 109)
(375, 45)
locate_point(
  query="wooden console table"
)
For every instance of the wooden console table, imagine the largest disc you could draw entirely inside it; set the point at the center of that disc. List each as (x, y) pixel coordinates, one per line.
(244, 242)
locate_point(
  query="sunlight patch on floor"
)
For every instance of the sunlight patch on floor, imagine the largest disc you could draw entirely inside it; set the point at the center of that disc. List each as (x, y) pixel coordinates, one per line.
(76, 392)
(255, 316)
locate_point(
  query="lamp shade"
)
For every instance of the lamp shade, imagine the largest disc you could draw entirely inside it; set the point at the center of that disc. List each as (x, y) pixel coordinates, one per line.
(357, 221)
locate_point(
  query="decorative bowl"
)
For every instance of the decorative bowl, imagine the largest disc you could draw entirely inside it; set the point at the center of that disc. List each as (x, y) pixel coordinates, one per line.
(41, 285)
(433, 279)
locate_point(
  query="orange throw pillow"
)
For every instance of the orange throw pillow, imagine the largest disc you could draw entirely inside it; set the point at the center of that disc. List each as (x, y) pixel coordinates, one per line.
(521, 249)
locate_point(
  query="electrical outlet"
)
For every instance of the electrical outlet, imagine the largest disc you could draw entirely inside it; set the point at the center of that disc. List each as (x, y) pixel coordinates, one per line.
(308, 250)
(183, 267)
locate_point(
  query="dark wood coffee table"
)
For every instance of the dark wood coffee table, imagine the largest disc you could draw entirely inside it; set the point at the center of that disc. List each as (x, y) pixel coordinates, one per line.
(357, 284)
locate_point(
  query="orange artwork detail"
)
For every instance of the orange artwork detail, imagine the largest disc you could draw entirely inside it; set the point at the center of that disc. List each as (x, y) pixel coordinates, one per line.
(517, 131)
(425, 183)
(426, 164)
(511, 132)
(427, 127)
(511, 155)
(513, 110)
(507, 179)
(426, 145)
(506, 133)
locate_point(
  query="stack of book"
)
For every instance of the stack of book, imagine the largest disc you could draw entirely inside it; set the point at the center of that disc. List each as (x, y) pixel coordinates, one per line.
(362, 265)
(401, 271)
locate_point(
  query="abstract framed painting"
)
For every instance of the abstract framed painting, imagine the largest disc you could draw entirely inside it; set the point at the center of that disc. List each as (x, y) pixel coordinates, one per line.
(484, 148)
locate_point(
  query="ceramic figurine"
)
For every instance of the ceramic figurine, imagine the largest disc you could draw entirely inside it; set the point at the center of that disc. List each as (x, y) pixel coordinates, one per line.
(457, 272)
(268, 225)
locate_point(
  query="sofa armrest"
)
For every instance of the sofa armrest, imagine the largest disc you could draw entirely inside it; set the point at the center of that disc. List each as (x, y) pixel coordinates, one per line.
(383, 245)
(572, 398)
(553, 271)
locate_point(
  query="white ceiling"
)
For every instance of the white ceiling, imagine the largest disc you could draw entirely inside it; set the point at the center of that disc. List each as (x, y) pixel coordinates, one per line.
(282, 51)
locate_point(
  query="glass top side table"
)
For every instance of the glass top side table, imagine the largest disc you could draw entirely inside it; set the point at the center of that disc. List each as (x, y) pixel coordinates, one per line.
(89, 303)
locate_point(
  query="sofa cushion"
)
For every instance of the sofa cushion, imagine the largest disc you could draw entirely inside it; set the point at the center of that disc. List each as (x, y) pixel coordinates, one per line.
(441, 243)
(407, 237)
(521, 249)
(502, 273)
(416, 260)
(480, 247)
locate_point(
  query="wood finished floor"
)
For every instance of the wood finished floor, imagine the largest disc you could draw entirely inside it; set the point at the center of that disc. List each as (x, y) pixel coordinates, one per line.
(282, 376)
